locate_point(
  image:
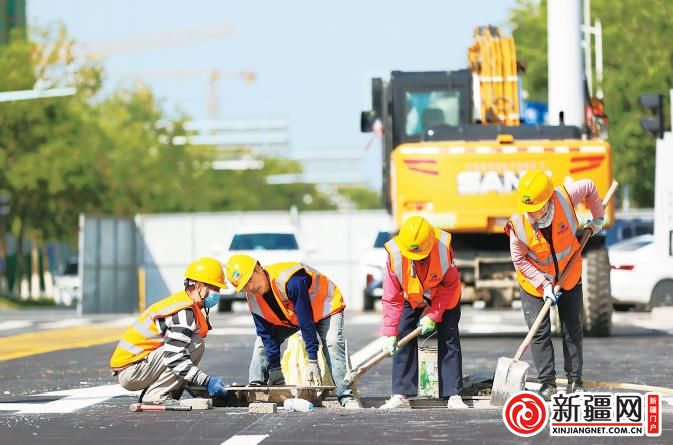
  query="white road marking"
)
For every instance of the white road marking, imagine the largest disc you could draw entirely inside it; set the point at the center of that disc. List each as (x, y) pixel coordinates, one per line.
(245, 440)
(123, 321)
(233, 331)
(14, 324)
(75, 399)
(67, 323)
(358, 358)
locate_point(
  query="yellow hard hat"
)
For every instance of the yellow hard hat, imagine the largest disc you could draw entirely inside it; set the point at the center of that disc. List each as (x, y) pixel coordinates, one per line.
(535, 189)
(416, 238)
(239, 269)
(206, 270)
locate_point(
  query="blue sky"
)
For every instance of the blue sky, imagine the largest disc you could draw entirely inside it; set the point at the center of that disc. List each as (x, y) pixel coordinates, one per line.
(313, 59)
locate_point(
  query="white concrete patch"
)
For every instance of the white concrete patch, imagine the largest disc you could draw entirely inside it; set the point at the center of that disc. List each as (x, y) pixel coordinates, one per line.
(245, 440)
(123, 321)
(67, 323)
(233, 331)
(14, 324)
(75, 399)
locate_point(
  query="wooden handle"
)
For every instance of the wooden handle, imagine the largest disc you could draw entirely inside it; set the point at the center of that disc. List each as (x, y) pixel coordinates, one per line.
(576, 257)
(361, 370)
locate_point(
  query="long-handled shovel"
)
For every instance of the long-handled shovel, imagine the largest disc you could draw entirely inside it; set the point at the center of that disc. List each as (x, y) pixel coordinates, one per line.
(354, 375)
(510, 374)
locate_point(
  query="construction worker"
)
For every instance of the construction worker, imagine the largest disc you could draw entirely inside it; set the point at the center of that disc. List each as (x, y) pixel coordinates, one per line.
(542, 241)
(159, 353)
(422, 287)
(284, 298)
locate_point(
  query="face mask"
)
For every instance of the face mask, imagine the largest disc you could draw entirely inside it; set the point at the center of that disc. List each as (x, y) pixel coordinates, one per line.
(211, 300)
(546, 220)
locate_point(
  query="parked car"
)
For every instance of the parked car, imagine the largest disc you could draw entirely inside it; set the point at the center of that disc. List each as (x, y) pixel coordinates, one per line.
(630, 223)
(67, 284)
(268, 246)
(639, 275)
(375, 263)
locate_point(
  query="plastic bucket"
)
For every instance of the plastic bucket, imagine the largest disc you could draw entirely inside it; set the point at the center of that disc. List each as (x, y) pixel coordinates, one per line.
(428, 373)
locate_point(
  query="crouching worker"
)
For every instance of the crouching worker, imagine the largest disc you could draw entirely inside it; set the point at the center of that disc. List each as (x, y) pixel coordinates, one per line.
(422, 286)
(284, 298)
(158, 354)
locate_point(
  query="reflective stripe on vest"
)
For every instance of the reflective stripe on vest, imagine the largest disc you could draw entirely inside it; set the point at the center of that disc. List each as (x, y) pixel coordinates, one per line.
(144, 337)
(564, 226)
(325, 296)
(399, 264)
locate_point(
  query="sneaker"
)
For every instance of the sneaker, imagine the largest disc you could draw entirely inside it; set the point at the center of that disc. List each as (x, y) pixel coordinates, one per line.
(397, 401)
(547, 390)
(456, 402)
(574, 386)
(351, 403)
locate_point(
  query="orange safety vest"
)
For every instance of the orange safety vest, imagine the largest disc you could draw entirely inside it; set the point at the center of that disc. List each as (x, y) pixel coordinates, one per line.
(417, 293)
(563, 227)
(326, 298)
(144, 337)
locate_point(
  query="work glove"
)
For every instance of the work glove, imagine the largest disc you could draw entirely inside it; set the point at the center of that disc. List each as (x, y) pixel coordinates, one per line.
(595, 225)
(312, 373)
(215, 386)
(390, 345)
(427, 325)
(549, 294)
(276, 377)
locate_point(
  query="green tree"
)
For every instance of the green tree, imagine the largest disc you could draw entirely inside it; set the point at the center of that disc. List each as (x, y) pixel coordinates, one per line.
(638, 59)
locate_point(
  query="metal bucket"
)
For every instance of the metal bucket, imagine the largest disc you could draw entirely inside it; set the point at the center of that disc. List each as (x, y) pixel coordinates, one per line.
(428, 372)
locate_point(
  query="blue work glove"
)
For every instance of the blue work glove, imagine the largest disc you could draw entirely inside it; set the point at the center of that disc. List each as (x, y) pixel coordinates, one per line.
(390, 345)
(427, 325)
(549, 294)
(216, 387)
(595, 225)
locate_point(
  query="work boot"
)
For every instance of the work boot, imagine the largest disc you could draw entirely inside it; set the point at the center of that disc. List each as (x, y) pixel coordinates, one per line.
(547, 390)
(397, 401)
(456, 402)
(574, 386)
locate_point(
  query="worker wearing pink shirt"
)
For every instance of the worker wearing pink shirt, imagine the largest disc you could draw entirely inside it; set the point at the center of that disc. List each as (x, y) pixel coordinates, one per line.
(542, 241)
(422, 286)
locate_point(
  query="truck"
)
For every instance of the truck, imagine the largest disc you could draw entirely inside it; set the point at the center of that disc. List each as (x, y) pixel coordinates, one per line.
(454, 149)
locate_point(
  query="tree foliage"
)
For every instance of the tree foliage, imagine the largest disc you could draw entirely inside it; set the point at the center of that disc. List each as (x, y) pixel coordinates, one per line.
(90, 153)
(638, 59)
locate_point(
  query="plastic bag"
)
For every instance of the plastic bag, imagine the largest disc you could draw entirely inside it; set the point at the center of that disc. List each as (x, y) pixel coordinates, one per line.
(295, 361)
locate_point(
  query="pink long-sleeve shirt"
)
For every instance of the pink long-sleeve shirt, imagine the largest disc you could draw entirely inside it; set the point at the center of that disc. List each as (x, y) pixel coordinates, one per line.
(582, 190)
(393, 298)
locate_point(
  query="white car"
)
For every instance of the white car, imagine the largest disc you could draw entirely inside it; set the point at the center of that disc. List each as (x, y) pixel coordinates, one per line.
(67, 284)
(268, 245)
(639, 275)
(375, 263)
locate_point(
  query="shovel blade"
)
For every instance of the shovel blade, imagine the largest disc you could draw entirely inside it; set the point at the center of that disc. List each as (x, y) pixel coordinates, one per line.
(510, 378)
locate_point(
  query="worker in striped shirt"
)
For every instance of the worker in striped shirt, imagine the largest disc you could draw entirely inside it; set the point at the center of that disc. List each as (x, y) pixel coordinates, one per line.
(160, 352)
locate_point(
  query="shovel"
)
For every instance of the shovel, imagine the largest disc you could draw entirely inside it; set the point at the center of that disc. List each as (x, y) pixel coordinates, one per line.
(510, 374)
(354, 375)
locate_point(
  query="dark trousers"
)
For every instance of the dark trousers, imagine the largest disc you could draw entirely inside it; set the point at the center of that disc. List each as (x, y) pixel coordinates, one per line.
(570, 314)
(449, 355)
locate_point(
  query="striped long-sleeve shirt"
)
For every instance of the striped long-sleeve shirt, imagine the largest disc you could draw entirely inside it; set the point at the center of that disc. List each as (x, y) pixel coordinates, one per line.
(177, 331)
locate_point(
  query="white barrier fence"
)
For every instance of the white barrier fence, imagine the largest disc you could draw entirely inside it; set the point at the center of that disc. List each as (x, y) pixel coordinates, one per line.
(165, 244)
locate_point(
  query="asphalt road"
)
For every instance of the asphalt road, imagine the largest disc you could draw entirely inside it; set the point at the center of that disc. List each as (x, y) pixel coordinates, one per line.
(69, 396)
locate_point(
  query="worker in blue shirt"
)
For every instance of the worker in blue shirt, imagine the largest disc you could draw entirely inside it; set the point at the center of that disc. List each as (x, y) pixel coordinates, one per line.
(284, 298)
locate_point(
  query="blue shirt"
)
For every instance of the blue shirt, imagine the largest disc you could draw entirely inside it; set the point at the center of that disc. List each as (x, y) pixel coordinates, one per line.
(297, 291)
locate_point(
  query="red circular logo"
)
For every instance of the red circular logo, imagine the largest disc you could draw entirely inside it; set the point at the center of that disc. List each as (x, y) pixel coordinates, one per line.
(525, 414)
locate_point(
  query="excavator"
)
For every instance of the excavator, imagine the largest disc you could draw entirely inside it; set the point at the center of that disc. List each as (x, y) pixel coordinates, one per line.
(454, 148)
